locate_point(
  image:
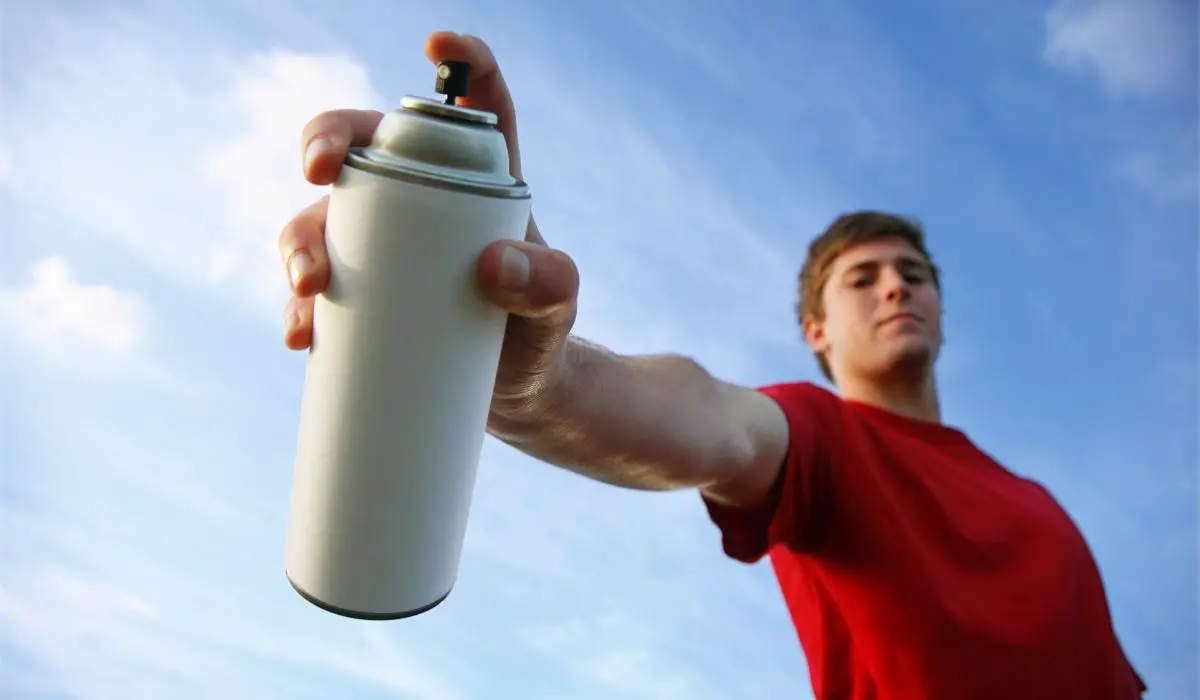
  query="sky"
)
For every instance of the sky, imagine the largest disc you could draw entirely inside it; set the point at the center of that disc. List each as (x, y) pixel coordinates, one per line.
(684, 153)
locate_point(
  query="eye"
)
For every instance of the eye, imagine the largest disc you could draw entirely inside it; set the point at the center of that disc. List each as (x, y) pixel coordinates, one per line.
(913, 274)
(861, 281)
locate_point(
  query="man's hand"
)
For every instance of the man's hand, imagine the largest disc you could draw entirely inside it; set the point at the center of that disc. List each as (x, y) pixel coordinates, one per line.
(534, 283)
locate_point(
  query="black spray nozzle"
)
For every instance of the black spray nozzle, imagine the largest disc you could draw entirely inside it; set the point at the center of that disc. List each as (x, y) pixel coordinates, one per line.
(452, 79)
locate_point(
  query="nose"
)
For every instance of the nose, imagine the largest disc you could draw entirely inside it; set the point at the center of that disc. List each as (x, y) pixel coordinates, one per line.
(895, 287)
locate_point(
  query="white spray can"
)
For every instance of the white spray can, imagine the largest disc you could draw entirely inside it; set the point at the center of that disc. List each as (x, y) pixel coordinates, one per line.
(403, 360)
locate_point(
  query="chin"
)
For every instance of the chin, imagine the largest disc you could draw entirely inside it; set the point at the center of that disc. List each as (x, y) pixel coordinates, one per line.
(914, 357)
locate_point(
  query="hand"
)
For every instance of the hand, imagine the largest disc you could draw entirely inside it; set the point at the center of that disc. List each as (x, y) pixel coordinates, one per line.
(534, 283)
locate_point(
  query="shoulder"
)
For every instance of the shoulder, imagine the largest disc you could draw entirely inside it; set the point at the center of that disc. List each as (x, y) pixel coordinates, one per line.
(786, 423)
(798, 390)
(805, 404)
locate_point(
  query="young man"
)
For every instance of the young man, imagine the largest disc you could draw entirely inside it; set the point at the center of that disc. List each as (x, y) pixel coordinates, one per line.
(913, 565)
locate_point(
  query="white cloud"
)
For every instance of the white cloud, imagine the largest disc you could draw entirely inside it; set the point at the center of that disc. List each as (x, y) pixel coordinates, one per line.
(256, 172)
(210, 163)
(1134, 47)
(57, 313)
(89, 328)
(1169, 174)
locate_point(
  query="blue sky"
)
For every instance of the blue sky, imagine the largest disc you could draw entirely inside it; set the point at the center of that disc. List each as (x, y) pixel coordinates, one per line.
(685, 153)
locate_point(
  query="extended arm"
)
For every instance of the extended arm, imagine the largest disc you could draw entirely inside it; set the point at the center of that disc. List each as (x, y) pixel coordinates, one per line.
(652, 422)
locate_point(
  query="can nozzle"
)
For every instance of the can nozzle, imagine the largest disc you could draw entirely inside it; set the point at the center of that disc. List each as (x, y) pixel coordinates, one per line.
(452, 80)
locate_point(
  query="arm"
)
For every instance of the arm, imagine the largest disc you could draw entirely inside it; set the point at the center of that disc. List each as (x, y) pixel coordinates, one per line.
(651, 422)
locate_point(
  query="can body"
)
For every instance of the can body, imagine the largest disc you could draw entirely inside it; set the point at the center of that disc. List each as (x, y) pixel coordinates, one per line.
(397, 390)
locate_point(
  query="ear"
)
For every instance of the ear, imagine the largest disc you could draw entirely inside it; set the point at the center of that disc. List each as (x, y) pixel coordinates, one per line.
(814, 334)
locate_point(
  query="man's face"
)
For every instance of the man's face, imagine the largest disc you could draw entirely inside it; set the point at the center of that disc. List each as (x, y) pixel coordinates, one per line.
(882, 313)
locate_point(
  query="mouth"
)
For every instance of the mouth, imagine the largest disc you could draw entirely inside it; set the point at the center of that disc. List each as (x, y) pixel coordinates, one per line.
(900, 318)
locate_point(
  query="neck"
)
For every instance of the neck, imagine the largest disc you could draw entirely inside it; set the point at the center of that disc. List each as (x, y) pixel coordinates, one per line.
(914, 399)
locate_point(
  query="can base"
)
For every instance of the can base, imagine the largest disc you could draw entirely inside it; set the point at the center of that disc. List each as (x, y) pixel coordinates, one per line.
(361, 615)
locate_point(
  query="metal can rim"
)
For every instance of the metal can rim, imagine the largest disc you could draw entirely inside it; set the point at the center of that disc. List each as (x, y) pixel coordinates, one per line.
(518, 189)
(455, 112)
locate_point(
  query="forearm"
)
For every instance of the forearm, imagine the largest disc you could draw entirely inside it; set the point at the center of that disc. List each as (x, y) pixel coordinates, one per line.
(647, 422)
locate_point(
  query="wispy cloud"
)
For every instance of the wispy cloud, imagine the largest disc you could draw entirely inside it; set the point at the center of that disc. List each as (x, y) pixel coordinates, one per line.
(57, 312)
(265, 102)
(1133, 47)
(613, 655)
(63, 323)
(768, 66)
(102, 602)
(5, 165)
(210, 171)
(104, 638)
(1168, 175)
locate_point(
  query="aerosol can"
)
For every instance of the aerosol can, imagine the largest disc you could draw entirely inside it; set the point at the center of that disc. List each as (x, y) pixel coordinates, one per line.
(403, 360)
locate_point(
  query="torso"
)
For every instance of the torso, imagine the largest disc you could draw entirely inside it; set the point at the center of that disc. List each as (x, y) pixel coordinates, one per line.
(934, 572)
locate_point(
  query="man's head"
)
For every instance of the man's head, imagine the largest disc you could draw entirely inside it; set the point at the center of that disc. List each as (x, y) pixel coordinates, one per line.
(870, 299)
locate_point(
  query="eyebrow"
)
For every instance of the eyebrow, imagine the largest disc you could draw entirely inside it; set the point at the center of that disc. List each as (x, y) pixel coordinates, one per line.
(904, 262)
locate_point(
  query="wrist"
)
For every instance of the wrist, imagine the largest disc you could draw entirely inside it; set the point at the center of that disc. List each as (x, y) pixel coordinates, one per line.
(514, 416)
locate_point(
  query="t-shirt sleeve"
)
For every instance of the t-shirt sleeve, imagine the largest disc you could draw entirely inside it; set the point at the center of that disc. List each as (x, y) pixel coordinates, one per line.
(796, 510)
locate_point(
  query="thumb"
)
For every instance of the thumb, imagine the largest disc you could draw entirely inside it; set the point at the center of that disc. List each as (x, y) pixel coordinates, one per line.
(529, 280)
(487, 90)
(539, 287)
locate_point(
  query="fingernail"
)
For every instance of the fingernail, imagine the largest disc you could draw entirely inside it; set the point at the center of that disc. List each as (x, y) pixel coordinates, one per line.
(299, 265)
(514, 269)
(291, 320)
(315, 148)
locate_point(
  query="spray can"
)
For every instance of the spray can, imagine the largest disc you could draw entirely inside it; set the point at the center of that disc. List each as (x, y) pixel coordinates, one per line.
(403, 361)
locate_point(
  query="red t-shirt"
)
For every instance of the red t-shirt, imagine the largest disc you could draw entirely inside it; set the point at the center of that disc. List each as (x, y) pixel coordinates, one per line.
(915, 566)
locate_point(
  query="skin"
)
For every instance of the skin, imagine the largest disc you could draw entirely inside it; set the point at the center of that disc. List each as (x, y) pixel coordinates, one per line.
(645, 422)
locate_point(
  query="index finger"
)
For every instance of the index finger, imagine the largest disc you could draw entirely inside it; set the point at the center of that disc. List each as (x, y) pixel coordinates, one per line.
(326, 138)
(487, 90)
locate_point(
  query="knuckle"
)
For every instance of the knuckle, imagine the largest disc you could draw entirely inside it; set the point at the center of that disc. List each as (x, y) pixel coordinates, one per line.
(289, 237)
(299, 232)
(321, 123)
(341, 126)
(565, 260)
